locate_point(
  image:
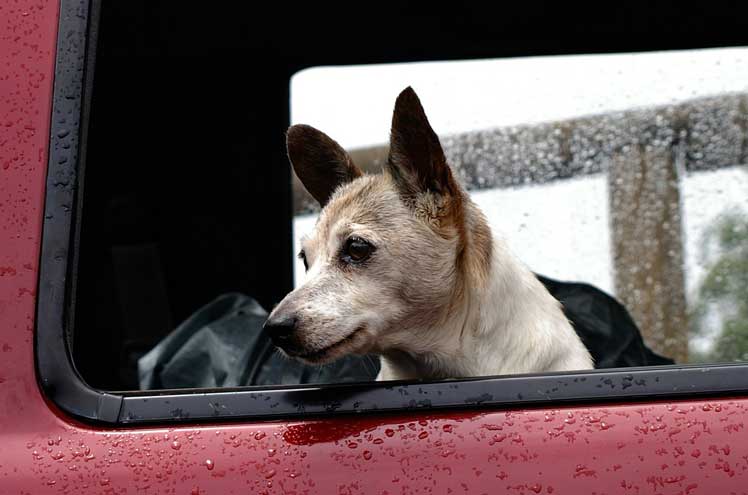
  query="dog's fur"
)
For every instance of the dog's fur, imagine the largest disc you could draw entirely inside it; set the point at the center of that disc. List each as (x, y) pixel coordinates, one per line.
(439, 297)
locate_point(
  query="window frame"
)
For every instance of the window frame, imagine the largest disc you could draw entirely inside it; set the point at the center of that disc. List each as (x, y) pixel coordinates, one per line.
(63, 385)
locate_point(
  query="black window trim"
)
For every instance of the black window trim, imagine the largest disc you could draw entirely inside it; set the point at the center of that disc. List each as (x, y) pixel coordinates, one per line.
(62, 384)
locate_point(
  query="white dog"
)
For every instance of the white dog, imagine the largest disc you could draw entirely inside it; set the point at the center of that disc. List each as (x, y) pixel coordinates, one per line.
(403, 264)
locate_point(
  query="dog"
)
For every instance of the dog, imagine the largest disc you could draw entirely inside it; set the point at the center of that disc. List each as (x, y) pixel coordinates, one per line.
(404, 265)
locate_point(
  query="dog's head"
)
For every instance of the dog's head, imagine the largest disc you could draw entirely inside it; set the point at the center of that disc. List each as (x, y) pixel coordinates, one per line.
(390, 253)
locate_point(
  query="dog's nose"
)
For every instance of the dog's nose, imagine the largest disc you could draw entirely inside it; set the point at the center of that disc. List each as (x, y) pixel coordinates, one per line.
(281, 329)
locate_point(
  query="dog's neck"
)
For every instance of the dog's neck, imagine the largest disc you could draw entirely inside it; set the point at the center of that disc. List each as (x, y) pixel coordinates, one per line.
(506, 324)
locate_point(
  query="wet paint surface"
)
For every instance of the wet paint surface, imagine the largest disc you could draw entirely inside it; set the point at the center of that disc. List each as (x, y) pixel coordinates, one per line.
(682, 447)
(675, 448)
(28, 33)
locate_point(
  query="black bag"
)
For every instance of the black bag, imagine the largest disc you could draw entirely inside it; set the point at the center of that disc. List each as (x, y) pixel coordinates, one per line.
(223, 345)
(604, 326)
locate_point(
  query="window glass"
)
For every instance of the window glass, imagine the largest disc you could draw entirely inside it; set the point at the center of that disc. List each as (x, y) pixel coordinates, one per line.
(625, 171)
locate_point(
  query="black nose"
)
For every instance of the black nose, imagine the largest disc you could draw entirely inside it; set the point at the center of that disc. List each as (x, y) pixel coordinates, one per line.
(281, 329)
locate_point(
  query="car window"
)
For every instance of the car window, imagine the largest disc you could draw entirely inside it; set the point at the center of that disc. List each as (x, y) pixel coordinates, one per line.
(173, 219)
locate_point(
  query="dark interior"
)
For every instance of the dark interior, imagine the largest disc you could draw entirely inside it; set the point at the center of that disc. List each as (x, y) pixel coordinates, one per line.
(187, 187)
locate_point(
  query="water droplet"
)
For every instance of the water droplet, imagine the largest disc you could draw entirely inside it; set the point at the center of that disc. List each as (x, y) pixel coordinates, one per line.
(259, 435)
(209, 464)
(176, 445)
(423, 435)
(367, 455)
(499, 437)
(389, 432)
(270, 474)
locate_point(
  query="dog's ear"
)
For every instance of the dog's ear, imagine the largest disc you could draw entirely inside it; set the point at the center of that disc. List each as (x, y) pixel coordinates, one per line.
(416, 160)
(321, 163)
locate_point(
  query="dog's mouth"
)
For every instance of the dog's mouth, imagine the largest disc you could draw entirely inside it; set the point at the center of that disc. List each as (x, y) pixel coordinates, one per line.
(330, 352)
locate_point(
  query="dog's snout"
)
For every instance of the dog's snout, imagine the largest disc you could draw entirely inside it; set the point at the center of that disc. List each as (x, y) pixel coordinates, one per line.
(281, 329)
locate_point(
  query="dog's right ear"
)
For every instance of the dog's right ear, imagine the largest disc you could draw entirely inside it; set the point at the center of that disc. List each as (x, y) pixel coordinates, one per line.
(321, 163)
(416, 160)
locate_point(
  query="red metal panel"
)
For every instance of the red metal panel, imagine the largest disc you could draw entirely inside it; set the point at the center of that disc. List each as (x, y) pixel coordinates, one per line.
(678, 448)
(682, 447)
(28, 31)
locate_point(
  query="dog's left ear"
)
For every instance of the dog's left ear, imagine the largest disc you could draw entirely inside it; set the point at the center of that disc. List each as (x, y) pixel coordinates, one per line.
(416, 160)
(320, 162)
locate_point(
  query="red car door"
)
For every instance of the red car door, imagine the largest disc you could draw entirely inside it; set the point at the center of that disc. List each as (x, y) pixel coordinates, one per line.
(678, 430)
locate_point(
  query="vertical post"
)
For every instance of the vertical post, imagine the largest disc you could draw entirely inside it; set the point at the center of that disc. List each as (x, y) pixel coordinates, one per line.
(647, 244)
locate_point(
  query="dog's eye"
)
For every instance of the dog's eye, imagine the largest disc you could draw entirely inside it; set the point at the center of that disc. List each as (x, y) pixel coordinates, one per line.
(357, 250)
(302, 257)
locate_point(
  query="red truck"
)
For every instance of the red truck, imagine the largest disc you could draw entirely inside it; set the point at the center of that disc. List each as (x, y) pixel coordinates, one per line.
(673, 429)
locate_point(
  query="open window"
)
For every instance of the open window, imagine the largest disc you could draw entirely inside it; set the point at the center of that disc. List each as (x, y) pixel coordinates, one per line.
(170, 191)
